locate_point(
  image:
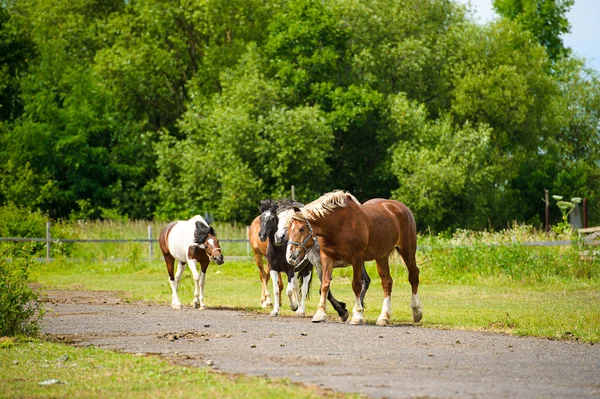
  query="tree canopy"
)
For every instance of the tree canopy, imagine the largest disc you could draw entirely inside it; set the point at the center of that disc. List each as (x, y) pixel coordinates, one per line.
(158, 109)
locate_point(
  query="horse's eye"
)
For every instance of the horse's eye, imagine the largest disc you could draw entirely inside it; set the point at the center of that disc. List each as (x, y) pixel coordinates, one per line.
(301, 229)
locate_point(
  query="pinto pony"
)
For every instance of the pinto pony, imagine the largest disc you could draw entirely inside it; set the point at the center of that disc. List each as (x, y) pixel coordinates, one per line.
(276, 258)
(189, 241)
(354, 233)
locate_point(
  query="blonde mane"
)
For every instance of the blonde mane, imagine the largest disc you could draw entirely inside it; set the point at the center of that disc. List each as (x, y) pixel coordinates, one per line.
(325, 204)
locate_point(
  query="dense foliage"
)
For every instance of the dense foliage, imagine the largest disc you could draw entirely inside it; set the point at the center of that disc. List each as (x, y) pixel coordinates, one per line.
(20, 306)
(158, 109)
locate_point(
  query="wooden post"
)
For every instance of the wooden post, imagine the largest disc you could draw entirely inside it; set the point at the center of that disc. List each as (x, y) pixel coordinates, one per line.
(585, 213)
(547, 211)
(48, 241)
(150, 252)
(293, 193)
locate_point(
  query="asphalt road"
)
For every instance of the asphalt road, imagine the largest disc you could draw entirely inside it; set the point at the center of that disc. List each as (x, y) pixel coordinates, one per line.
(400, 361)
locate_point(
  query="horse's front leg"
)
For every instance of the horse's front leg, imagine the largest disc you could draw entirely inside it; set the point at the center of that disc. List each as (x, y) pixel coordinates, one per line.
(357, 287)
(198, 281)
(327, 270)
(276, 293)
(292, 290)
(306, 277)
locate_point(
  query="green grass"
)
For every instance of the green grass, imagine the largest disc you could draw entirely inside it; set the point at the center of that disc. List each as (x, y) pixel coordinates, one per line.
(92, 372)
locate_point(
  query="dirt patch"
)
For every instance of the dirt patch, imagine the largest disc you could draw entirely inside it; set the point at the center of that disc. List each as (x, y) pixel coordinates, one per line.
(399, 361)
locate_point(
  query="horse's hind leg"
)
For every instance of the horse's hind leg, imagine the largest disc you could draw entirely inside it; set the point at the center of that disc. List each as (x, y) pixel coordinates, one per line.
(383, 268)
(366, 281)
(174, 279)
(357, 287)
(413, 277)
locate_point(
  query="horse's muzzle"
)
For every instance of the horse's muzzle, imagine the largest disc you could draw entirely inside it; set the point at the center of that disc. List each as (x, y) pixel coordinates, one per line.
(219, 260)
(262, 237)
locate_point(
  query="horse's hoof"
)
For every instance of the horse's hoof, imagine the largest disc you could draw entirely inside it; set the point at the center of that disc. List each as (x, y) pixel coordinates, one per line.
(196, 305)
(344, 316)
(274, 313)
(382, 321)
(357, 321)
(319, 318)
(417, 315)
(294, 307)
(202, 307)
(300, 313)
(176, 306)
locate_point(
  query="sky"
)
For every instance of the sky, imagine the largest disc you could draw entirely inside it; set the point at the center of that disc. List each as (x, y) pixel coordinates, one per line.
(584, 38)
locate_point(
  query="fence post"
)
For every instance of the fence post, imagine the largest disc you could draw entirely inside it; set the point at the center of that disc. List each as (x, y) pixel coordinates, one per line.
(585, 213)
(293, 193)
(547, 201)
(47, 241)
(150, 252)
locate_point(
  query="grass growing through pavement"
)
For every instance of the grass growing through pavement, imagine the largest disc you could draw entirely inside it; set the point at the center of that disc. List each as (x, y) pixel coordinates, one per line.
(92, 372)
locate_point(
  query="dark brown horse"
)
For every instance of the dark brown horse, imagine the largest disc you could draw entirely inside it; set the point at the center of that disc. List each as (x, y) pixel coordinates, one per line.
(259, 249)
(189, 241)
(354, 233)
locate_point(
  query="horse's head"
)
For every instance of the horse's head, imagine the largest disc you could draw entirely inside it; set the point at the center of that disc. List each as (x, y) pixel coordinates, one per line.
(268, 219)
(282, 226)
(300, 240)
(206, 238)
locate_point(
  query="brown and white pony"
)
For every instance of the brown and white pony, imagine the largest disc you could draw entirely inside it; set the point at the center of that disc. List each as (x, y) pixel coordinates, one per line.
(354, 233)
(189, 241)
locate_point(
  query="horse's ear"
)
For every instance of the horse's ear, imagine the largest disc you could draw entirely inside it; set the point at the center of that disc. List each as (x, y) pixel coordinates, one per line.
(296, 209)
(212, 231)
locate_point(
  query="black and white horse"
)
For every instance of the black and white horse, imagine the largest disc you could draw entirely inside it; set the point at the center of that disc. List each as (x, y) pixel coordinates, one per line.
(189, 241)
(314, 257)
(277, 261)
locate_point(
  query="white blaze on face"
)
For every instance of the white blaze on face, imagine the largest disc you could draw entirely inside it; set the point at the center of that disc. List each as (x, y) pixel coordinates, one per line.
(211, 242)
(282, 224)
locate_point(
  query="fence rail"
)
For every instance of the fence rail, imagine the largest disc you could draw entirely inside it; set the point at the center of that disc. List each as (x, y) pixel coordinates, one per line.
(591, 240)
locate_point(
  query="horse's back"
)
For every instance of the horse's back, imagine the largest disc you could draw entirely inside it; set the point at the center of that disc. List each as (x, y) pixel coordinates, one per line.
(390, 221)
(180, 238)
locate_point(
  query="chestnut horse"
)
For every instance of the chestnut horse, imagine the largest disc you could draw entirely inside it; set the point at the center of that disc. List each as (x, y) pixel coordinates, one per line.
(189, 241)
(259, 249)
(314, 257)
(349, 231)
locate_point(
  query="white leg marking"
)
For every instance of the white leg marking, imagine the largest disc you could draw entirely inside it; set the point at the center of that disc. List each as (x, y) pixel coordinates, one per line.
(192, 266)
(179, 273)
(386, 312)
(292, 293)
(202, 282)
(175, 304)
(357, 312)
(416, 308)
(302, 309)
(274, 276)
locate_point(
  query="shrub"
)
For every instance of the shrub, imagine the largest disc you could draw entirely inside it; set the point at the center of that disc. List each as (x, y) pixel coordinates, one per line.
(21, 222)
(20, 307)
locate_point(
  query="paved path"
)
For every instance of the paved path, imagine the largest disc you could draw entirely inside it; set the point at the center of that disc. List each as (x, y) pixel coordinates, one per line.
(400, 361)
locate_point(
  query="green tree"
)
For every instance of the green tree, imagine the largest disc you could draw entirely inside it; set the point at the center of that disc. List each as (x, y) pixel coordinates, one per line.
(546, 19)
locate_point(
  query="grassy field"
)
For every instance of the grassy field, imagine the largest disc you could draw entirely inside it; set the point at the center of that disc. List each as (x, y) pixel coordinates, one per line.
(485, 281)
(95, 373)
